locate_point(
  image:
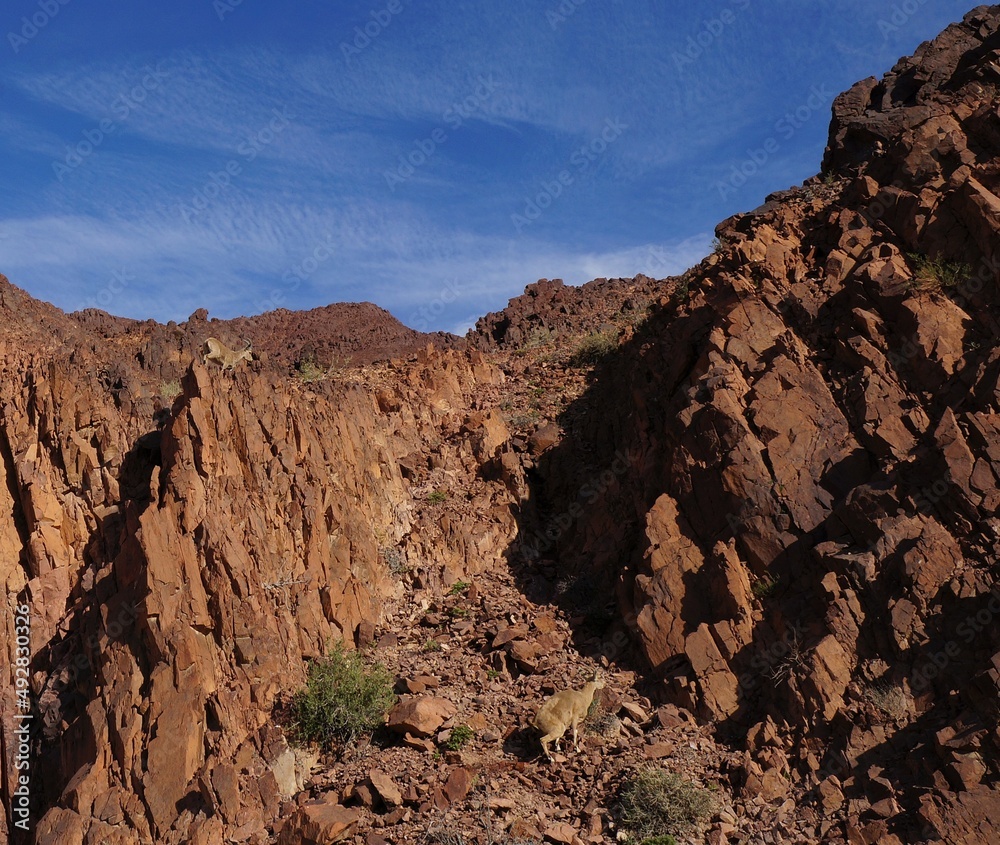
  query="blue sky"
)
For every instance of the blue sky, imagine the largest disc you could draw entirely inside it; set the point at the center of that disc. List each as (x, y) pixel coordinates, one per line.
(432, 157)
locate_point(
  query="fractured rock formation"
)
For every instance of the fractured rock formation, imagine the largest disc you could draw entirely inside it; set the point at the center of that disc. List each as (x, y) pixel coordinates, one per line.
(783, 483)
(812, 521)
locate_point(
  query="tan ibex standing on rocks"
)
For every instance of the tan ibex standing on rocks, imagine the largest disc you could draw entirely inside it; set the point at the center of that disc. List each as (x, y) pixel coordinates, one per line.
(215, 350)
(566, 709)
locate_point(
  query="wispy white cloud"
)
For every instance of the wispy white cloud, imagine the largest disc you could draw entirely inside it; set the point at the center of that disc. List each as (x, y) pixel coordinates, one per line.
(19, 134)
(232, 269)
(148, 198)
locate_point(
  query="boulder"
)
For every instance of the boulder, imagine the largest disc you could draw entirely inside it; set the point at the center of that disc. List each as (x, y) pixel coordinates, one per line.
(420, 715)
(319, 823)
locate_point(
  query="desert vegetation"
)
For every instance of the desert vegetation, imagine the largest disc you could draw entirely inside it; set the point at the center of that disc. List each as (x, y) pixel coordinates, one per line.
(655, 802)
(594, 347)
(931, 274)
(345, 697)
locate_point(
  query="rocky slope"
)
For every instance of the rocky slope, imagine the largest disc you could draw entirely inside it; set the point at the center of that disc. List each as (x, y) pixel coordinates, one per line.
(769, 505)
(549, 309)
(805, 537)
(343, 334)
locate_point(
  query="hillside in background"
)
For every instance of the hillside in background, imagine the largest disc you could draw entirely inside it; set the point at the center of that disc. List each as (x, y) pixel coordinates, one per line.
(761, 496)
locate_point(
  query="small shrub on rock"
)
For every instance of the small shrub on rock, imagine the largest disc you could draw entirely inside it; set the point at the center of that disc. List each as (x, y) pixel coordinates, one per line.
(891, 700)
(310, 371)
(656, 799)
(936, 273)
(344, 697)
(764, 587)
(460, 736)
(593, 348)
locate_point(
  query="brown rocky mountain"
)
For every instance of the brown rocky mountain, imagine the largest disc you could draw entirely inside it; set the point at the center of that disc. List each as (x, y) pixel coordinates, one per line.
(347, 333)
(548, 309)
(762, 495)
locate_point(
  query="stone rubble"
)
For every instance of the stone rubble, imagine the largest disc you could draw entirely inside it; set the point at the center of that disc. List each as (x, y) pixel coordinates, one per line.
(767, 511)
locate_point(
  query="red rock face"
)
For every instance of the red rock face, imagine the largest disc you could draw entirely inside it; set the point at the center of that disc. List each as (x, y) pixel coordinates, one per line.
(782, 482)
(813, 514)
(178, 575)
(340, 335)
(548, 309)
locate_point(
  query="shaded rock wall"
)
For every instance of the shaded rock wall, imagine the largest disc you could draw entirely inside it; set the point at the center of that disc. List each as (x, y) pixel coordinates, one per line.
(787, 477)
(812, 416)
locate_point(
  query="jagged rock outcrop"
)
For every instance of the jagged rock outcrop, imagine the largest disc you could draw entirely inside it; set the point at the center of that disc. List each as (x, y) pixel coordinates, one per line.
(177, 576)
(783, 482)
(809, 526)
(333, 336)
(550, 310)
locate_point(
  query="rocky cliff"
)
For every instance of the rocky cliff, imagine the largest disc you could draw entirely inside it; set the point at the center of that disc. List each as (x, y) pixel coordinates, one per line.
(806, 540)
(763, 493)
(180, 563)
(343, 334)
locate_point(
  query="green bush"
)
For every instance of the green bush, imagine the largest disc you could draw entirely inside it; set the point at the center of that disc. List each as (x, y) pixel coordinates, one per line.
(764, 587)
(682, 289)
(936, 273)
(593, 348)
(436, 497)
(310, 371)
(539, 336)
(460, 735)
(665, 839)
(344, 697)
(656, 799)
